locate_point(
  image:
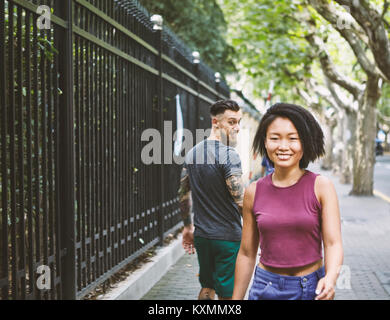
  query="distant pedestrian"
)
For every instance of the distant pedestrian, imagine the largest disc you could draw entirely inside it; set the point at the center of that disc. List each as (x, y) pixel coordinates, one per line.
(211, 176)
(291, 213)
(266, 167)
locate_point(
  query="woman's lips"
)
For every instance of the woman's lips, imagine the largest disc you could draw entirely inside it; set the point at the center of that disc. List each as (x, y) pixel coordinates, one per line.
(283, 156)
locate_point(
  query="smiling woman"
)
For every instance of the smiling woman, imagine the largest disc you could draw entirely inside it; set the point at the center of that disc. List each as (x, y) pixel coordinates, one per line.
(282, 143)
(302, 127)
(291, 212)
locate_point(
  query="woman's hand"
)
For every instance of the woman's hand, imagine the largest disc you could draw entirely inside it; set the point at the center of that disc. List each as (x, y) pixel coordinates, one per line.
(325, 289)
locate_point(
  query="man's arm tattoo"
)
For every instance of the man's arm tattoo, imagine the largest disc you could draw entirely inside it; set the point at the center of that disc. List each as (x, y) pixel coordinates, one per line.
(236, 188)
(184, 197)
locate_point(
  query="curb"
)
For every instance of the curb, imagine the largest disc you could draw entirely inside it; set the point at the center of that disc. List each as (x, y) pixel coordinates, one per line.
(143, 279)
(381, 195)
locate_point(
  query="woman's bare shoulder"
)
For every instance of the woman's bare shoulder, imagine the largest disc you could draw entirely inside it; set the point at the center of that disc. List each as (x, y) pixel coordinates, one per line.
(250, 190)
(323, 186)
(323, 182)
(252, 187)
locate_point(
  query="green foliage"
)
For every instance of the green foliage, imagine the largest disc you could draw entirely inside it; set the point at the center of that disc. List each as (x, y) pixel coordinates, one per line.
(25, 125)
(384, 102)
(202, 27)
(270, 43)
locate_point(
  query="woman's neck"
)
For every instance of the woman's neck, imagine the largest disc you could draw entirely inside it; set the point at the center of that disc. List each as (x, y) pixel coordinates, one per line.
(284, 177)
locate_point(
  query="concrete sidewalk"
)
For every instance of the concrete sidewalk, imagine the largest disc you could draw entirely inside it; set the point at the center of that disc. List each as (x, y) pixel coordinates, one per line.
(366, 240)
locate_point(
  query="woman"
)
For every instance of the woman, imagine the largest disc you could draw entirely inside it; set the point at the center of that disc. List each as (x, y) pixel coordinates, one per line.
(292, 212)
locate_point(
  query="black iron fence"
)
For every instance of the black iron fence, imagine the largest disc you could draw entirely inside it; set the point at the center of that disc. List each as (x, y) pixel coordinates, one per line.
(77, 202)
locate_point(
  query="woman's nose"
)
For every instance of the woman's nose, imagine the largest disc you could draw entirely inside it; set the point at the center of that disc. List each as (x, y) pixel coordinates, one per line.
(283, 145)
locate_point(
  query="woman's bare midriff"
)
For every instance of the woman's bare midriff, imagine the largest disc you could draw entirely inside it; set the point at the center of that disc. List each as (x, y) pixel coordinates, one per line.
(295, 271)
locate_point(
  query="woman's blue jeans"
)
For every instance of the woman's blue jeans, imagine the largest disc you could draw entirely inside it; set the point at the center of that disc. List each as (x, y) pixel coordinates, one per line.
(271, 286)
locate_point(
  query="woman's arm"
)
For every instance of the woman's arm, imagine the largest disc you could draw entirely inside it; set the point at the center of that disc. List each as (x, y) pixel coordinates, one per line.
(246, 257)
(331, 232)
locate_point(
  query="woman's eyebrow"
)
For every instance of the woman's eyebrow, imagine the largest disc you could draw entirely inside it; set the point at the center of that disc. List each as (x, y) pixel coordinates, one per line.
(278, 134)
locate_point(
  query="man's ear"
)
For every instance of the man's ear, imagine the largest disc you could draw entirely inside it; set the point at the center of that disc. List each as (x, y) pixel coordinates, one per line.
(214, 122)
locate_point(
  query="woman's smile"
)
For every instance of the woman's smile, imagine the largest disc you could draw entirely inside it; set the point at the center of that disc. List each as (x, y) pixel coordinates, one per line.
(283, 157)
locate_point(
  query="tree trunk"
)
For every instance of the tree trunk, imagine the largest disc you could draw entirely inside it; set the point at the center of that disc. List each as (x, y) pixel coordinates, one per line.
(364, 159)
(338, 145)
(326, 163)
(348, 141)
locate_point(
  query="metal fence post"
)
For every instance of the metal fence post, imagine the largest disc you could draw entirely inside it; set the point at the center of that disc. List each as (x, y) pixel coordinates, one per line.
(157, 26)
(217, 77)
(161, 99)
(67, 158)
(195, 61)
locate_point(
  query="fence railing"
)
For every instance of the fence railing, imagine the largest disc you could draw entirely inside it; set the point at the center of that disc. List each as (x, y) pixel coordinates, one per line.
(76, 199)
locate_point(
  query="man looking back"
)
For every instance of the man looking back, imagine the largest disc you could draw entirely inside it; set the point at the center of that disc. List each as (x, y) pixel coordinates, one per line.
(212, 176)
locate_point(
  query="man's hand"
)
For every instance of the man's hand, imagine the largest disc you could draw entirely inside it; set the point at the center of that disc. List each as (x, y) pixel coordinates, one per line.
(188, 239)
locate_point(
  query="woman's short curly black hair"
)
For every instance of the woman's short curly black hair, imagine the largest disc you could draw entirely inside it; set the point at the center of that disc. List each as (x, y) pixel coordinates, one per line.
(309, 131)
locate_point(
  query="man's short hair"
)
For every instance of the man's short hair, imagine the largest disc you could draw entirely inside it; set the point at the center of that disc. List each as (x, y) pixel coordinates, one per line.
(222, 105)
(309, 131)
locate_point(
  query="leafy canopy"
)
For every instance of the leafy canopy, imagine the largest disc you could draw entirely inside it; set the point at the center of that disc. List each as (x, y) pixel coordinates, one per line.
(202, 27)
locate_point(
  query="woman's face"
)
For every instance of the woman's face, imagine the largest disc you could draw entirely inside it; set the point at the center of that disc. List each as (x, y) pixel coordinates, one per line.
(283, 144)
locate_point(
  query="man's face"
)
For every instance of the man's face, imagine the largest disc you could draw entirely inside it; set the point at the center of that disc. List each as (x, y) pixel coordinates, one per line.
(228, 124)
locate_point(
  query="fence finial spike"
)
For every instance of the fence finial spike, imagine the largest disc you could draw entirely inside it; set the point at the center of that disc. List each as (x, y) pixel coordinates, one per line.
(157, 21)
(195, 57)
(217, 76)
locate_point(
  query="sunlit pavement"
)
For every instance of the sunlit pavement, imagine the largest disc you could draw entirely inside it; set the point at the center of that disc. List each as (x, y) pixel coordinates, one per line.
(382, 175)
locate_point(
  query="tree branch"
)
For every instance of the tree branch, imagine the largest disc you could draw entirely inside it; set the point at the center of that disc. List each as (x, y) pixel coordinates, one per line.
(384, 118)
(372, 23)
(311, 103)
(329, 69)
(346, 106)
(315, 105)
(323, 93)
(334, 17)
(385, 7)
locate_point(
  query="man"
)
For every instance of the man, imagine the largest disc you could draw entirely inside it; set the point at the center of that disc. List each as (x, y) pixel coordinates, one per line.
(212, 176)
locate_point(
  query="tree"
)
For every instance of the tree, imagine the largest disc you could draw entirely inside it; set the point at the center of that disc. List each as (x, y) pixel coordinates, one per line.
(201, 25)
(269, 43)
(368, 30)
(272, 44)
(293, 22)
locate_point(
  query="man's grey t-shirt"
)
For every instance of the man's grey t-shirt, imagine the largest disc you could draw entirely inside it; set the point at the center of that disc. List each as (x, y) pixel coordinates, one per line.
(216, 215)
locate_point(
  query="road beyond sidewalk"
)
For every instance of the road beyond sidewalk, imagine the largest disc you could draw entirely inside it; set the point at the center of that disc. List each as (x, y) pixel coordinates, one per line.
(366, 239)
